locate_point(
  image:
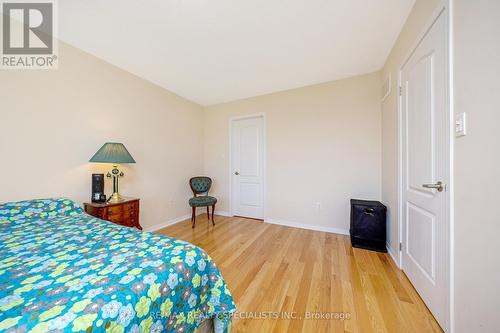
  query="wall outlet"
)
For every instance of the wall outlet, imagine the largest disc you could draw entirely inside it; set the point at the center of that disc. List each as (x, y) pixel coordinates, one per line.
(318, 206)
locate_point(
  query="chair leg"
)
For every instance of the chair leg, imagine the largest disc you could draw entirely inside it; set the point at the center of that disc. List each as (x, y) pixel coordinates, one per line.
(208, 213)
(213, 210)
(193, 216)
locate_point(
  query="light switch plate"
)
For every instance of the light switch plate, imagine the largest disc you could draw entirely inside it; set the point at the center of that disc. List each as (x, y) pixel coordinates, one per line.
(460, 125)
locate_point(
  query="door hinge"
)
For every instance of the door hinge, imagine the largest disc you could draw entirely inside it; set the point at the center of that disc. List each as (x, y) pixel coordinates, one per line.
(400, 246)
(400, 91)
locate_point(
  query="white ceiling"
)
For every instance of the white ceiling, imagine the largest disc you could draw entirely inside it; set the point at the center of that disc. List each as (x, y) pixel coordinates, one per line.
(222, 50)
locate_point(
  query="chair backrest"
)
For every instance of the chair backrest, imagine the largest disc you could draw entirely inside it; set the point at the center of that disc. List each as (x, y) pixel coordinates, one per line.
(200, 184)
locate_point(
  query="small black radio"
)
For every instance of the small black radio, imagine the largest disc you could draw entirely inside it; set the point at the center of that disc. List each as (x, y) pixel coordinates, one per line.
(98, 188)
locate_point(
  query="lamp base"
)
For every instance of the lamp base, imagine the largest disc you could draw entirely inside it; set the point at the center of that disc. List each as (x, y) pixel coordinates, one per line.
(115, 197)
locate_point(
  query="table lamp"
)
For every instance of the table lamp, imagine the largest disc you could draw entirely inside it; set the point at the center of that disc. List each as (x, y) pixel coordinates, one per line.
(115, 153)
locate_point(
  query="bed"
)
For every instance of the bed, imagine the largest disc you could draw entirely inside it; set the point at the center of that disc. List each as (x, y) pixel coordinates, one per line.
(65, 271)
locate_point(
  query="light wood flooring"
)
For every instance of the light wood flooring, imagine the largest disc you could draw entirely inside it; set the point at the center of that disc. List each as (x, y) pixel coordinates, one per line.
(290, 272)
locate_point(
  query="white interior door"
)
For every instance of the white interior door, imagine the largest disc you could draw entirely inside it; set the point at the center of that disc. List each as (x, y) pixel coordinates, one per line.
(247, 167)
(425, 164)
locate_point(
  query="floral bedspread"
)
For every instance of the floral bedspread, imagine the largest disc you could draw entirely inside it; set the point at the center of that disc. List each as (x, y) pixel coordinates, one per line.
(62, 270)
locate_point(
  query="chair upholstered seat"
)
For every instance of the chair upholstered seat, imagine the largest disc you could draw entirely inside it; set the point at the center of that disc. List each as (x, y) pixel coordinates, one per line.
(202, 201)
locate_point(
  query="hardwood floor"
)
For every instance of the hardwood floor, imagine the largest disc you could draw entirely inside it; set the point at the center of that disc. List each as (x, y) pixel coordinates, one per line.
(291, 272)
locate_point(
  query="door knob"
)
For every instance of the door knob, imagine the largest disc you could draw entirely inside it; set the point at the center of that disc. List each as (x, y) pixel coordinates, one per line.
(438, 186)
(236, 173)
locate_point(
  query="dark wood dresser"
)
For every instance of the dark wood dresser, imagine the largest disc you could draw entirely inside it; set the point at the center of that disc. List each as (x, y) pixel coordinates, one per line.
(125, 212)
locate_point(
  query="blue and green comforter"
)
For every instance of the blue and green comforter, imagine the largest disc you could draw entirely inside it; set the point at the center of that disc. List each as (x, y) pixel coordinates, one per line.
(62, 270)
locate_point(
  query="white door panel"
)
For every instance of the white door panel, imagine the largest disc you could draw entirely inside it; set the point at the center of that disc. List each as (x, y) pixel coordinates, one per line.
(420, 124)
(425, 160)
(249, 154)
(422, 251)
(247, 159)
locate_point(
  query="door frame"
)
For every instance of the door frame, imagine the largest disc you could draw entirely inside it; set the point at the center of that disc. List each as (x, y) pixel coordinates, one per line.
(443, 9)
(264, 160)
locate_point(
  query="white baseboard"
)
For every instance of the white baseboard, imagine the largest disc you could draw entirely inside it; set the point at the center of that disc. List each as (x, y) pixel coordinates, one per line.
(307, 226)
(223, 213)
(176, 220)
(168, 223)
(393, 255)
(266, 220)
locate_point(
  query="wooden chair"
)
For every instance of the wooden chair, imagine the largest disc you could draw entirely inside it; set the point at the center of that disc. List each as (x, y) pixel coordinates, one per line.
(200, 185)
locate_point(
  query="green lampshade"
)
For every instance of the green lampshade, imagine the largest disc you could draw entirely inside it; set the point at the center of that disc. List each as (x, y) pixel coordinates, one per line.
(112, 152)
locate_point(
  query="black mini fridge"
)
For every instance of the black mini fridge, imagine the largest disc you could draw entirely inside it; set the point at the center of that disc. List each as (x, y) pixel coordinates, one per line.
(368, 225)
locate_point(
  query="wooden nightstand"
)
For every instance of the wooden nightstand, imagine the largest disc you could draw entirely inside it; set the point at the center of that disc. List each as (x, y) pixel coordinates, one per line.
(125, 212)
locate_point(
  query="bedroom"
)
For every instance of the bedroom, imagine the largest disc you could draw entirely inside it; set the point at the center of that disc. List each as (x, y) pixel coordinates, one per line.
(176, 82)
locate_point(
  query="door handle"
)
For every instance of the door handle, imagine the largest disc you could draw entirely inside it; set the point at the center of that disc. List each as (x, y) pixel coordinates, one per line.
(437, 186)
(236, 173)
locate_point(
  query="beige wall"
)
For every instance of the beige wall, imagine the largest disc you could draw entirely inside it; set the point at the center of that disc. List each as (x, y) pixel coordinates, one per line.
(323, 145)
(53, 121)
(477, 166)
(418, 18)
